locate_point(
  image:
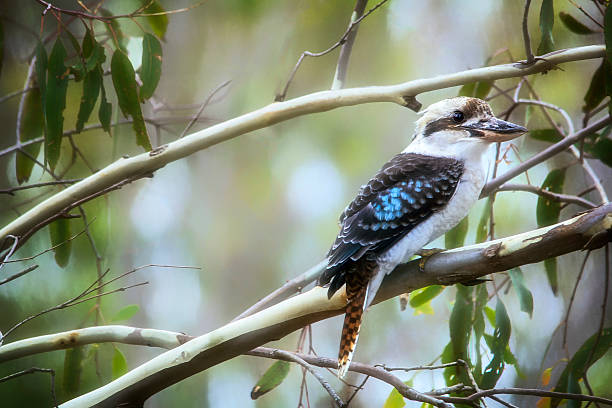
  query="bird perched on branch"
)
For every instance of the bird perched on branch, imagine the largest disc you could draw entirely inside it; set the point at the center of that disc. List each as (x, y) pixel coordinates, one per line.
(417, 196)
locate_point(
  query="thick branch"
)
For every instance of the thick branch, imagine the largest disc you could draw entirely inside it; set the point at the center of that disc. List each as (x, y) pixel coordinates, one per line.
(146, 163)
(589, 230)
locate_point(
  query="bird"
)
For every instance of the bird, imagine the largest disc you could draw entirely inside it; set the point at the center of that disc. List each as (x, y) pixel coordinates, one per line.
(415, 197)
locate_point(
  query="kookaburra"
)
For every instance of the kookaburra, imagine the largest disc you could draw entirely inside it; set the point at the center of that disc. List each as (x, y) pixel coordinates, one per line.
(417, 196)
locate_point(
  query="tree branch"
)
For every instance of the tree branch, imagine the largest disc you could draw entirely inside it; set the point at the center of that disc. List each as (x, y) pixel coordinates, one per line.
(146, 163)
(589, 230)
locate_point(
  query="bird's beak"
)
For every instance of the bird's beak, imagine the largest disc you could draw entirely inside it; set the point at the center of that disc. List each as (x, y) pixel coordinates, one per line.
(494, 130)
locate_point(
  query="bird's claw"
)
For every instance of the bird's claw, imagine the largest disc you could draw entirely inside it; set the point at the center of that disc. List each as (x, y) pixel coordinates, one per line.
(425, 254)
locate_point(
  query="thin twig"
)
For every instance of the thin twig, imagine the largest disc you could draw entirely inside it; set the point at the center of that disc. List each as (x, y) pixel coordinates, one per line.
(562, 198)
(18, 274)
(590, 17)
(526, 39)
(204, 105)
(12, 190)
(527, 391)
(281, 97)
(296, 359)
(345, 51)
(571, 301)
(33, 370)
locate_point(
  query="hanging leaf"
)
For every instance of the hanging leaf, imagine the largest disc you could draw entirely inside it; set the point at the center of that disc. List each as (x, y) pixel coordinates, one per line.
(55, 103)
(124, 80)
(482, 297)
(591, 350)
(30, 125)
(72, 370)
(105, 110)
(395, 399)
(547, 211)
(150, 70)
(271, 379)
(524, 294)
(60, 234)
(550, 266)
(545, 378)
(425, 295)
(460, 325)
(574, 25)
(547, 20)
(597, 90)
(476, 89)
(126, 313)
(483, 224)
(455, 237)
(158, 23)
(91, 90)
(468, 89)
(119, 364)
(501, 337)
(546, 135)
(602, 150)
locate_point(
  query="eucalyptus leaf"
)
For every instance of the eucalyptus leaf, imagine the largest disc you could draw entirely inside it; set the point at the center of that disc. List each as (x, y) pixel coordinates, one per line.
(271, 379)
(547, 20)
(119, 364)
(574, 25)
(55, 103)
(30, 126)
(524, 294)
(150, 70)
(59, 231)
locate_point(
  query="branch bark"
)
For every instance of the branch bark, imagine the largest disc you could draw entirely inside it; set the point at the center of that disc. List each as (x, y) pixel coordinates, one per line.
(589, 230)
(142, 165)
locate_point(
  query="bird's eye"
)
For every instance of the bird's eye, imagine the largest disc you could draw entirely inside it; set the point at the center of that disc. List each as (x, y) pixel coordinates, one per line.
(458, 116)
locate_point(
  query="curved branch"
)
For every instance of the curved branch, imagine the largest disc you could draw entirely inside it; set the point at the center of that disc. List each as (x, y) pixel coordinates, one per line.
(589, 230)
(144, 164)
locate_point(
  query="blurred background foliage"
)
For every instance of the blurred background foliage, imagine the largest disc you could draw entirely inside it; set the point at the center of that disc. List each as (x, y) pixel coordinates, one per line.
(257, 210)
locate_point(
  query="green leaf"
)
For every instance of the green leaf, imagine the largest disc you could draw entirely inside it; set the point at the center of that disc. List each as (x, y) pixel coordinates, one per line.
(602, 150)
(394, 400)
(455, 237)
(460, 325)
(425, 295)
(524, 294)
(150, 70)
(483, 224)
(476, 89)
(93, 52)
(490, 313)
(30, 126)
(124, 81)
(119, 364)
(591, 350)
(546, 135)
(60, 235)
(574, 25)
(482, 298)
(114, 30)
(271, 379)
(597, 89)
(104, 111)
(550, 266)
(547, 211)
(72, 370)
(91, 90)
(498, 345)
(547, 20)
(159, 24)
(55, 103)
(126, 313)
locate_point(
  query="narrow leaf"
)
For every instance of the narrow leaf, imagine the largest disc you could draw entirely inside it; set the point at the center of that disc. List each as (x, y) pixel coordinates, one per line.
(425, 295)
(126, 313)
(550, 266)
(150, 70)
(455, 237)
(574, 25)
(93, 52)
(468, 89)
(498, 344)
(60, 234)
(602, 150)
(30, 126)
(119, 364)
(547, 211)
(105, 110)
(547, 20)
(482, 89)
(545, 378)
(73, 368)
(597, 89)
(91, 90)
(159, 23)
(55, 103)
(41, 71)
(460, 325)
(394, 400)
(545, 135)
(114, 30)
(124, 81)
(524, 294)
(271, 379)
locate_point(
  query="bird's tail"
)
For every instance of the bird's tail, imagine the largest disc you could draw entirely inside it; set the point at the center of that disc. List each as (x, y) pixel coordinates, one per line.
(350, 330)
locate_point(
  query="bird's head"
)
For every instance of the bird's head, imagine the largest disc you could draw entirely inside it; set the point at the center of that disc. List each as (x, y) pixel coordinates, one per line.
(462, 123)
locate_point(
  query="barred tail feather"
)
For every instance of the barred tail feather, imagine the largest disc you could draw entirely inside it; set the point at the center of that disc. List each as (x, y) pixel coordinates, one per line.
(350, 330)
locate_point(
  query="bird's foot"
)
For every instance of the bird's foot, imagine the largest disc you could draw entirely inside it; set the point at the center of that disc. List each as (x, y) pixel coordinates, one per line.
(425, 254)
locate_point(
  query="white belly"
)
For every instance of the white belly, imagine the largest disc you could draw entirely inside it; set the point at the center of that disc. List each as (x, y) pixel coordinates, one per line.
(467, 193)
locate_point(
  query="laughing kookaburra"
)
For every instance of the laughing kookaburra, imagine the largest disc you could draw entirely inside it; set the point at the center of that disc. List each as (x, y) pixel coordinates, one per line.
(417, 196)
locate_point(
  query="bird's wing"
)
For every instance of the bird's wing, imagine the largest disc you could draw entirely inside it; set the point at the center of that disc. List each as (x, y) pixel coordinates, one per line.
(405, 192)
